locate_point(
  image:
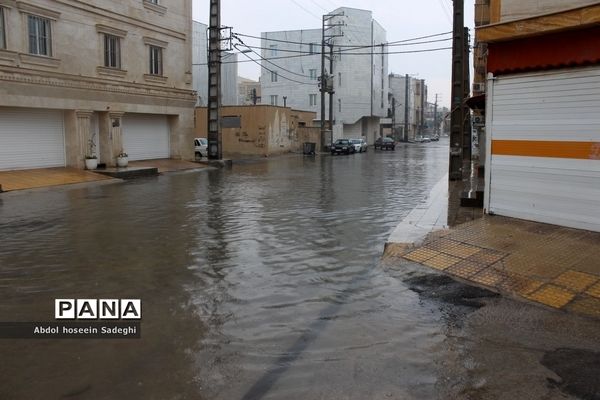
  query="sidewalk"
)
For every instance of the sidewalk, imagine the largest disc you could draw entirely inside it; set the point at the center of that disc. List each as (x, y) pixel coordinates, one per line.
(43, 177)
(546, 264)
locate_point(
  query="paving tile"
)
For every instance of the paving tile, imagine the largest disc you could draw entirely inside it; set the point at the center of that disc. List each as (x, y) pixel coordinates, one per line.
(594, 290)
(575, 280)
(586, 305)
(460, 250)
(520, 284)
(421, 255)
(552, 296)
(487, 256)
(489, 277)
(441, 261)
(466, 269)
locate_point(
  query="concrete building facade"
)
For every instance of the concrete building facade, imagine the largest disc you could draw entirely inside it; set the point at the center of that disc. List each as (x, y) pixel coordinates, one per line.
(359, 72)
(229, 69)
(115, 74)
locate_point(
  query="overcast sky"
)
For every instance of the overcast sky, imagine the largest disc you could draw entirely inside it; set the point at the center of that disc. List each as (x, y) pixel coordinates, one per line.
(402, 19)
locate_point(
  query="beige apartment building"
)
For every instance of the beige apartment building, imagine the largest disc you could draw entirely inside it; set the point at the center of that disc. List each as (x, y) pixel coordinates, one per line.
(115, 73)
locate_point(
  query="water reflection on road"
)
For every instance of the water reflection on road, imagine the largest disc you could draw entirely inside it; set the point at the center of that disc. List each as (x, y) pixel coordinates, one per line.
(258, 282)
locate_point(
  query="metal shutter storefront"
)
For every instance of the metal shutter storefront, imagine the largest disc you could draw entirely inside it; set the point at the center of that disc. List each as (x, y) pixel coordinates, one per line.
(145, 136)
(31, 138)
(544, 147)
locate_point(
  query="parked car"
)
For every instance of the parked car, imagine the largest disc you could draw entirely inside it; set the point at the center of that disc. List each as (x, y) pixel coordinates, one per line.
(435, 138)
(422, 139)
(385, 143)
(201, 147)
(360, 145)
(342, 146)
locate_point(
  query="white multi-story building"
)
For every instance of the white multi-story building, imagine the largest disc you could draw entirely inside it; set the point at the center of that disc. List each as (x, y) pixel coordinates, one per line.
(229, 70)
(359, 72)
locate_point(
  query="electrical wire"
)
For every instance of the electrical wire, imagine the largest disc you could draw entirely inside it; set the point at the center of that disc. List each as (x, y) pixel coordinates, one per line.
(347, 50)
(275, 72)
(348, 54)
(305, 9)
(271, 62)
(373, 45)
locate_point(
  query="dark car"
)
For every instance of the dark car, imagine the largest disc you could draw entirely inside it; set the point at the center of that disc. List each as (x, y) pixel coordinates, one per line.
(385, 143)
(342, 146)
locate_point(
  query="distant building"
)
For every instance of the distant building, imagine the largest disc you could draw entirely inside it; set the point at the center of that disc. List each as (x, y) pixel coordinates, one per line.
(414, 108)
(542, 106)
(359, 74)
(229, 70)
(249, 91)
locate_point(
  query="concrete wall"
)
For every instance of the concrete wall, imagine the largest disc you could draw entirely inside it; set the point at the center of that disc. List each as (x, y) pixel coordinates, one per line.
(265, 130)
(74, 79)
(229, 70)
(517, 9)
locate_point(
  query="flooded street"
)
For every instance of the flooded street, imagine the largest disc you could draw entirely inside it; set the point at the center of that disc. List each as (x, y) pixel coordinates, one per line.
(260, 282)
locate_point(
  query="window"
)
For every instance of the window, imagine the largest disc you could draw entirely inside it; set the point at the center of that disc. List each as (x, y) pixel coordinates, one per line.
(112, 51)
(156, 67)
(273, 76)
(274, 99)
(339, 79)
(313, 74)
(152, 1)
(312, 99)
(40, 42)
(273, 48)
(340, 105)
(2, 30)
(312, 48)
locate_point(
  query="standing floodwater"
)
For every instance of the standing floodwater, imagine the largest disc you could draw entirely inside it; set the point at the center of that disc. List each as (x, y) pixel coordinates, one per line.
(262, 281)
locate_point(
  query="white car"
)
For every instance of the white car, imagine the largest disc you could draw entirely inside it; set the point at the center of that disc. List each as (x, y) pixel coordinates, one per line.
(360, 145)
(201, 147)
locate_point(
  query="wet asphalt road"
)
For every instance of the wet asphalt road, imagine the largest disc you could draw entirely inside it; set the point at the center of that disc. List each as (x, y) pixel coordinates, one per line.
(265, 282)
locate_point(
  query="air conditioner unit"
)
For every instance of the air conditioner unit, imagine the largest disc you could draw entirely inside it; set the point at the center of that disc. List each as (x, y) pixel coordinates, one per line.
(479, 87)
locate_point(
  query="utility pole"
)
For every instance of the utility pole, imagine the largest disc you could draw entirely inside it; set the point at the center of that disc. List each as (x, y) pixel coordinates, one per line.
(467, 134)
(394, 118)
(435, 124)
(215, 150)
(406, 89)
(457, 117)
(326, 79)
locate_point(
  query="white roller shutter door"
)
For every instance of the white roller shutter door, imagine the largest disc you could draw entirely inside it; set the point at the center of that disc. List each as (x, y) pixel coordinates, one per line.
(555, 114)
(31, 138)
(145, 136)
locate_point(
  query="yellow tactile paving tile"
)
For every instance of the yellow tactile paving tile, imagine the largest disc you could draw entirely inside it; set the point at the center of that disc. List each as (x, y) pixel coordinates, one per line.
(465, 269)
(42, 177)
(421, 255)
(487, 256)
(575, 280)
(552, 296)
(489, 277)
(586, 305)
(461, 250)
(594, 290)
(441, 261)
(520, 285)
